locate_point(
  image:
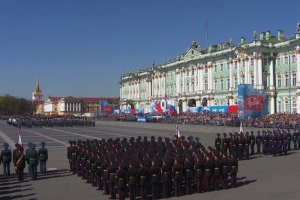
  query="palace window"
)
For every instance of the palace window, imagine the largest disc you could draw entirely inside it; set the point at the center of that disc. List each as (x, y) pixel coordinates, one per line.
(278, 80)
(279, 106)
(216, 85)
(193, 72)
(192, 87)
(205, 69)
(294, 104)
(294, 79)
(243, 63)
(187, 87)
(287, 106)
(286, 60)
(252, 80)
(266, 82)
(227, 66)
(251, 61)
(228, 84)
(206, 85)
(222, 84)
(294, 59)
(265, 62)
(221, 67)
(286, 77)
(215, 69)
(278, 62)
(243, 80)
(235, 82)
(235, 65)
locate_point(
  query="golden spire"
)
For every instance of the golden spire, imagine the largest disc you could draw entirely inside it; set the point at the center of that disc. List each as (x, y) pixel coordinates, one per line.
(37, 82)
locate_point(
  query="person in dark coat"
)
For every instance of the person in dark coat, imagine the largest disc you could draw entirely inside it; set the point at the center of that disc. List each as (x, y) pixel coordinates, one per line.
(166, 178)
(208, 165)
(252, 143)
(19, 162)
(188, 168)
(198, 171)
(233, 169)
(217, 164)
(155, 179)
(143, 179)
(131, 177)
(177, 176)
(6, 159)
(225, 171)
(105, 175)
(258, 142)
(218, 142)
(121, 181)
(33, 161)
(112, 169)
(43, 157)
(93, 168)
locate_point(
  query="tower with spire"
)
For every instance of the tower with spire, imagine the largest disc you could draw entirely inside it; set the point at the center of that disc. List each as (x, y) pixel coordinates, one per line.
(37, 94)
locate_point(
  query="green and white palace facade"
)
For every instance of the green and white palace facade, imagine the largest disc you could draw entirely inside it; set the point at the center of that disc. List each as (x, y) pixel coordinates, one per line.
(210, 77)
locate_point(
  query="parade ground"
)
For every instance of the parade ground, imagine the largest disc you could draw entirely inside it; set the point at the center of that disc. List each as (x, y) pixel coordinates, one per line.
(260, 177)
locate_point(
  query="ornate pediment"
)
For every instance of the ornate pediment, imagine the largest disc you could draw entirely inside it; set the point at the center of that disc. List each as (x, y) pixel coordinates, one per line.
(191, 53)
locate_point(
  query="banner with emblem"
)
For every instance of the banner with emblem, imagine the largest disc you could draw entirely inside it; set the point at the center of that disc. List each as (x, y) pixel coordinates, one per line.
(251, 102)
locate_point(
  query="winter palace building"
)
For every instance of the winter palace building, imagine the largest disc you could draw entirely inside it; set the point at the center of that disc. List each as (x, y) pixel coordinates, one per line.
(211, 76)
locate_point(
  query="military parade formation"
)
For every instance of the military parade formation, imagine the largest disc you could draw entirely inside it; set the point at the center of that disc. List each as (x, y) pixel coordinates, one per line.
(40, 123)
(139, 167)
(31, 156)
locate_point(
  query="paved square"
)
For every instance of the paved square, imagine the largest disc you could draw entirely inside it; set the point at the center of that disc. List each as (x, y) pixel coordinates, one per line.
(261, 177)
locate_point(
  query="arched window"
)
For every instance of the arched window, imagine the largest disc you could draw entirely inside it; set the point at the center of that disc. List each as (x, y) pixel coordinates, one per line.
(294, 106)
(216, 85)
(287, 106)
(222, 84)
(228, 84)
(206, 85)
(286, 77)
(251, 61)
(278, 61)
(278, 80)
(294, 59)
(286, 61)
(279, 106)
(294, 79)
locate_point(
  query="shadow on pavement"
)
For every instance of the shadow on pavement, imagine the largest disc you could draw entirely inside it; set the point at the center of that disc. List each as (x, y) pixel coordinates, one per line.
(243, 183)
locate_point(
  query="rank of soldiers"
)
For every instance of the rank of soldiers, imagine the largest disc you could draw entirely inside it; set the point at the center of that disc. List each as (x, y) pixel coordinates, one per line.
(139, 167)
(276, 142)
(29, 123)
(31, 156)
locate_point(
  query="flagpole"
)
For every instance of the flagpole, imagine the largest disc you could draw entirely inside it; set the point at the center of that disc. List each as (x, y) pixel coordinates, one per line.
(206, 30)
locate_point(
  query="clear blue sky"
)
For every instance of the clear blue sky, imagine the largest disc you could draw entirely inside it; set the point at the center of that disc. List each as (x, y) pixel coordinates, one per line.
(81, 48)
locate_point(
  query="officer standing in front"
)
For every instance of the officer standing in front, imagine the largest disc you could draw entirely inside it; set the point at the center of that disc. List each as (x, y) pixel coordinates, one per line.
(33, 161)
(43, 157)
(6, 159)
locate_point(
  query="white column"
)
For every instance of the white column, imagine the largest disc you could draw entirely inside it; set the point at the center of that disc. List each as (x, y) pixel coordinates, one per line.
(260, 74)
(184, 105)
(272, 104)
(238, 71)
(183, 71)
(198, 78)
(164, 84)
(298, 66)
(209, 75)
(178, 85)
(79, 107)
(189, 73)
(298, 101)
(230, 75)
(255, 71)
(246, 69)
(271, 67)
(201, 78)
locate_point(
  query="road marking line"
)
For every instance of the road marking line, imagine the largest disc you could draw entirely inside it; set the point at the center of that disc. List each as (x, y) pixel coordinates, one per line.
(50, 138)
(7, 139)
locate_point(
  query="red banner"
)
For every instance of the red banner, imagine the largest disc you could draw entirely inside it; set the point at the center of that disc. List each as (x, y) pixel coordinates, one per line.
(107, 109)
(254, 102)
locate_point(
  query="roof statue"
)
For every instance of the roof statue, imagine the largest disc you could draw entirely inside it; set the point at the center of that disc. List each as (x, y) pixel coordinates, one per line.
(165, 60)
(153, 63)
(254, 35)
(298, 27)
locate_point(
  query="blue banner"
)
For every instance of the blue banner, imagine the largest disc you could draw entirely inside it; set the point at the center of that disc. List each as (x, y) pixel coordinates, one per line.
(193, 109)
(218, 109)
(128, 111)
(251, 102)
(141, 119)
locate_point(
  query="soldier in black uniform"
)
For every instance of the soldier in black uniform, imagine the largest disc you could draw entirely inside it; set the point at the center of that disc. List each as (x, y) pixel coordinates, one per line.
(241, 147)
(105, 175)
(252, 143)
(78, 158)
(155, 179)
(233, 169)
(225, 171)
(285, 143)
(225, 143)
(6, 159)
(176, 176)
(73, 159)
(43, 157)
(93, 168)
(87, 164)
(208, 165)
(98, 163)
(188, 168)
(247, 142)
(235, 145)
(121, 181)
(289, 136)
(265, 143)
(295, 139)
(166, 178)
(198, 169)
(143, 179)
(218, 142)
(112, 169)
(217, 166)
(229, 140)
(132, 175)
(280, 143)
(19, 162)
(258, 142)
(68, 155)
